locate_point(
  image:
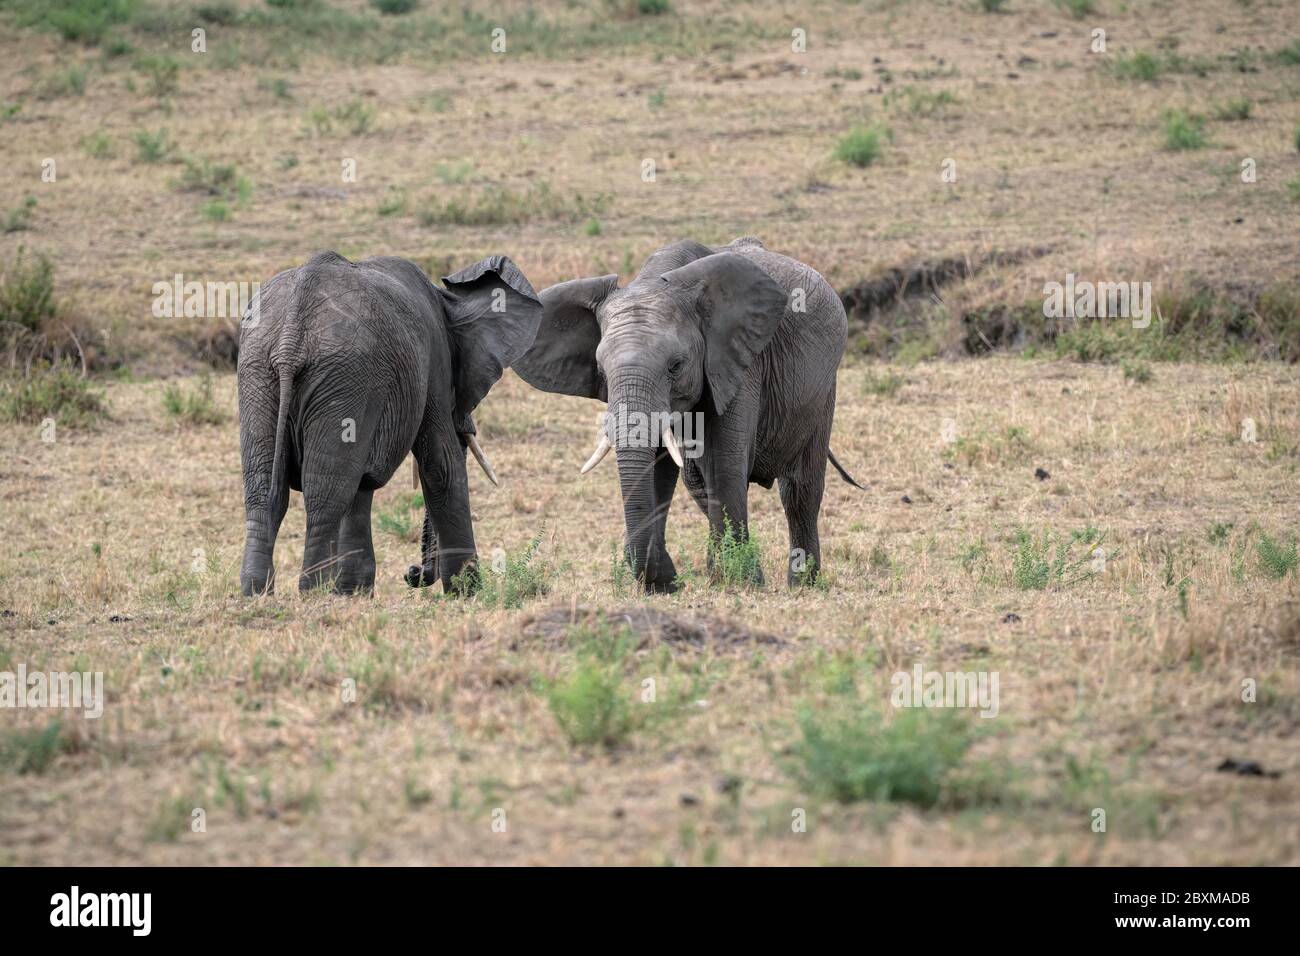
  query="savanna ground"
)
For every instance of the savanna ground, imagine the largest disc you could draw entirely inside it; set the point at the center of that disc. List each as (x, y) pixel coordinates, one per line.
(1087, 515)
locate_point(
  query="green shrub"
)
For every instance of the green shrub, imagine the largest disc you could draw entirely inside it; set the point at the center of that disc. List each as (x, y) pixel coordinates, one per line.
(49, 392)
(885, 385)
(847, 752)
(1138, 372)
(1034, 567)
(193, 406)
(20, 217)
(862, 146)
(354, 116)
(1233, 110)
(216, 210)
(26, 294)
(452, 174)
(921, 102)
(736, 563)
(151, 147)
(97, 145)
(215, 179)
(163, 73)
(1184, 130)
(393, 203)
(394, 7)
(1290, 54)
(513, 578)
(32, 751)
(1141, 66)
(591, 705)
(1277, 559)
(992, 6)
(78, 21)
(70, 81)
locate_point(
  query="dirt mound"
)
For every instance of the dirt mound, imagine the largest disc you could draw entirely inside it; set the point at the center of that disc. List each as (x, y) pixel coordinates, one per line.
(650, 625)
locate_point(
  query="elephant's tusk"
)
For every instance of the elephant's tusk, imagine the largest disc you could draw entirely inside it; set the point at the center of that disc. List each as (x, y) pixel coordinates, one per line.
(671, 444)
(602, 449)
(482, 459)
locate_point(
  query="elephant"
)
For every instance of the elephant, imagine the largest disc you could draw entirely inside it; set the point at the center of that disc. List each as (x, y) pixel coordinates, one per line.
(739, 342)
(344, 368)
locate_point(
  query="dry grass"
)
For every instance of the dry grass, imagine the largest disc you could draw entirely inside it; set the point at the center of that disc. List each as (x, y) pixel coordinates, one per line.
(1119, 690)
(1110, 697)
(1051, 148)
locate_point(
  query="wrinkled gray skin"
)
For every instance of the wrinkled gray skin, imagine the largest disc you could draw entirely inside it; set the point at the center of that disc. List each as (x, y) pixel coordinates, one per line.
(718, 331)
(377, 344)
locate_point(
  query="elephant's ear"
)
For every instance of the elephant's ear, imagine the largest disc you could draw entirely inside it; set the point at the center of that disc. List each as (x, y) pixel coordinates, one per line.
(563, 356)
(493, 314)
(738, 306)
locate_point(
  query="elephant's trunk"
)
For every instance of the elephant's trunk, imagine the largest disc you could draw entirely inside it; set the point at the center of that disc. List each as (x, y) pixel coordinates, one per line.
(636, 402)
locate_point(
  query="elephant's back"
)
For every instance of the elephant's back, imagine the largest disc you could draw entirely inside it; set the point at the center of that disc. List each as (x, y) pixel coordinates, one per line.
(355, 338)
(814, 307)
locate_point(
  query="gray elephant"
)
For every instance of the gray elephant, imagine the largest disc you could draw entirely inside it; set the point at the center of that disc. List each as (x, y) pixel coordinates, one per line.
(737, 345)
(344, 369)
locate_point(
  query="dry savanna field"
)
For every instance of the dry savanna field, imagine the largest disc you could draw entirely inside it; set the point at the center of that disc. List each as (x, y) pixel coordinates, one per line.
(1104, 517)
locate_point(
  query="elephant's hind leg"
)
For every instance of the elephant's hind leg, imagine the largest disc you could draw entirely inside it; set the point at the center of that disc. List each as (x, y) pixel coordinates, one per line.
(328, 498)
(801, 497)
(356, 549)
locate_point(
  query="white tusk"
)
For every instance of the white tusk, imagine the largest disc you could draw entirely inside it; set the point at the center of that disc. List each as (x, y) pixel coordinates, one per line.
(602, 449)
(671, 444)
(482, 459)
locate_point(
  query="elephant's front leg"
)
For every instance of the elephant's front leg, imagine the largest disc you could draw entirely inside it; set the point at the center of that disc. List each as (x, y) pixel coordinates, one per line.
(729, 556)
(660, 573)
(441, 458)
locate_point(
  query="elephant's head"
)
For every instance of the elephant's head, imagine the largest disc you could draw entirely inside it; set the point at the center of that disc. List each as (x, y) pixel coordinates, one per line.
(677, 341)
(493, 314)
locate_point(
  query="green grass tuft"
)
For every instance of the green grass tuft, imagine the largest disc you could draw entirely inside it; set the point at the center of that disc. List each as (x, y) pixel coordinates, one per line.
(862, 146)
(193, 406)
(1275, 558)
(848, 753)
(1184, 130)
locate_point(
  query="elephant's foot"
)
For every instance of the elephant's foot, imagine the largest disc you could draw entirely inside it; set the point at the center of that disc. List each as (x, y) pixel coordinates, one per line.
(362, 586)
(257, 577)
(256, 586)
(465, 583)
(315, 581)
(660, 576)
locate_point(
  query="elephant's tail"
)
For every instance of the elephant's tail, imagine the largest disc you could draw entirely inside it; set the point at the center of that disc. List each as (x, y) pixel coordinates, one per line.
(277, 499)
(840, 468)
